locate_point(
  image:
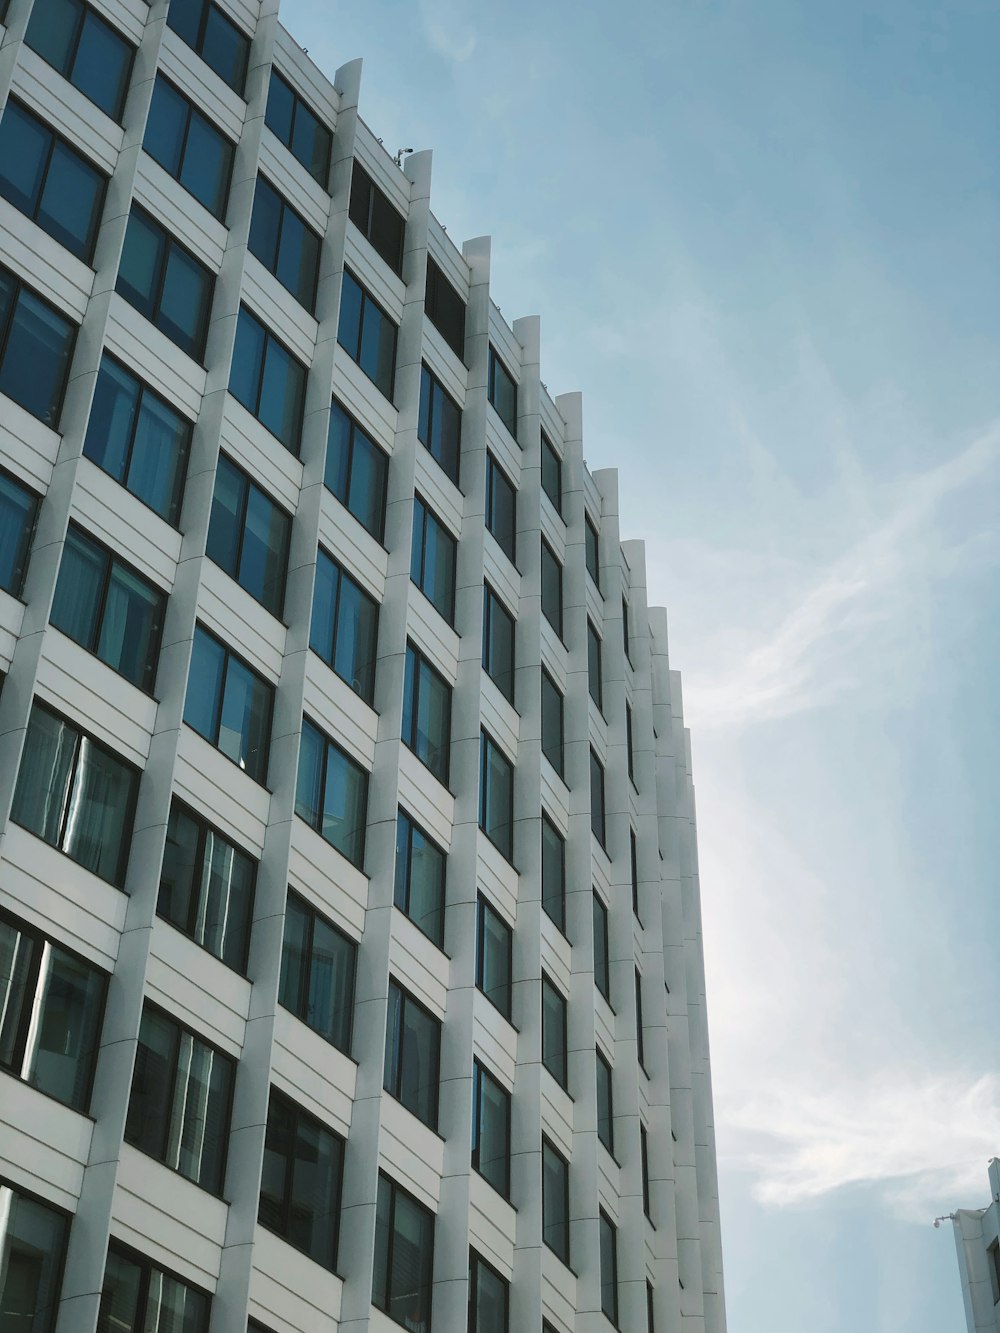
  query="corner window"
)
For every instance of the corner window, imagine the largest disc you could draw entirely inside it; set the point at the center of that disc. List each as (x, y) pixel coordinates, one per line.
(318, 964)
(284, 244)
(33, 1244)
(644, 1157)
(427, 714)
(420, 878)
(554, 1039)
(300, 1184)
(501, 508)
(377, 219)
(367, 334)
(433, 555)
(553, 873)
(108, 608)
(344, 626)
(445, 309)
(640, 1048)
(248, 536)
(181, 1099)
(555, 1200)
(498, 643)
(595, 673)
(490, 1129)
(165, 283)
(36, 345)
(609, 1267)
(229, 704)
(299, 128)
(552, 474)
(489, 1297)
(50, 181)
(552, 723)
(602, 970)
(502, 393)
(139, 439)
(552, 589)
(76, 795)
(214, 37)
(605, 1105)
(142, 1298)
(597, 820)
(439, 424)
(494, 950)
(331, 794)
(412, 1055)
(51, 1019)
(403, 1275)
(591, 543)
(496, 796)
(189, 147)
(357, 471)
(18, 511)
(85, 49)
(207, 887)
(268, 380)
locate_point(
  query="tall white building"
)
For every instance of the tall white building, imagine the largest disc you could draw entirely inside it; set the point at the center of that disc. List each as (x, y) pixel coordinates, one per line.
(350, 951)
(977, 1239)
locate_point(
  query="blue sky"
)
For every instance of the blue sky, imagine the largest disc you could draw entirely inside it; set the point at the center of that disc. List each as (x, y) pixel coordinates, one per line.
(762, 240)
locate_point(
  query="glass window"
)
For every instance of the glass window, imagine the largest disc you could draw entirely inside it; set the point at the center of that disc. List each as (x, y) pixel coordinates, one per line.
(432, 560)
(207, 887)
(552, 589)
(554, 1041)
(367, 334)
(634, 856)
(138, 1297)
(377, 219)
(412, 1055)
(284, 243)
(301, 1180)
(496, 796)
(501, 508)
(317, 973)
(229, 704)
(109, 608)
(628, 742)
(18, 511)
(489, 1297)
(553, 873)
(439, 424)
(494, 953)
(503, 393)
(591, 548)
(344, 626)
(498, 643)
(552, 723)
(597, 823)
(649, 1306)
(46, 178)
(644, 1156)
(189, 146)
(138, 439)
(248, 536)
(332, 794)
(299, 128)
(181, 1099)
(33, 1248)
(403, 1276)
(445, 309)
(268, 380)
(75, 794)
(427, 713)
(420, 878)
(51, 1009)
(605, 1105)
(602, 969)
(639, 1043)
(36, 345)
(357, 471)
(551, 474)
(609, 1267)
(625, 627)
(214, 36)
(555, 1200)
(165, 283)
(491, 1129)
(595, 672)
(85, 49)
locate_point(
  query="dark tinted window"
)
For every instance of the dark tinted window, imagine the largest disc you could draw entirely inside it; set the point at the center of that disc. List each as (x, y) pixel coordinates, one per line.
(317, 973)
(367, 334)
(432, 560)
(489, 1297)
(625, 634)
(229, 704)
(503, 393)
(592, 550)
(439, 425)
(501, 507)
(268, 380)
(554, 1053)
(18, 511)
(376, 218)
(595, 673)
(301, 1181)
(420, 878)
(299, 128)
(551, 473)
(248, 536)
(491, 1129)
(402, 1279)
(602, 972)
(644, 1156)
(640, 1048)
(356, 471)
(331, 794)
(214, 36)
(189, 146)
(36, 344)
(445, 309)
(605, 1104)
(553, 873)
(634, 853)
(85, 49)
(166, 283)
(33, 1245)
(412, 1055)
(552, 590)
(344, 626)
(498, 643)
(427, 713)
(49, 180)
(597, 822)
(284, 244)
(494, 946)
(555, 1200)
(138, 1297)
(496, 796)
(552, 723)
(609, 1267)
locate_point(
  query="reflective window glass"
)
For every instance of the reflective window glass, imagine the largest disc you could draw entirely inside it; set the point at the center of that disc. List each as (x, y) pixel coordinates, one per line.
(18, 510)
(439, 424)
(268, 380)
(412, 1055)
(434, 553)
(498, 643)
(552, 723)
(402, 1279)
(33, 1247)
(344, 626)
(420, 878)
(553, 873)
(427, 713)
(602, 971)
(317, 973)
(591, 548)
(138, 1297)
(299, 128)
(166, 283)
(189, 146)
(489, 1297)
(85, 49)
(554, 1043)
(301, 1180)
(491, 1129)
(605, 1106)
(445, 309)
(609, 1267)
(284, 244)
(229, 704)
(501, 508)
(214, 36)
(248, 536)
(494, 949)
(496, 796)
(36, 344)
(597, 820)
(356, 471)
(367, 334)
(551, 473)
(555, 1200)
(595, 673)
(503, 393)
(332, 794)
(376, 218)
(552, 590)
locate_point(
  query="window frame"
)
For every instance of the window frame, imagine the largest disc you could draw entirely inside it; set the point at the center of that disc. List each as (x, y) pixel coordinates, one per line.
(564, 1255)
(305, 981)
(87, 13)
(562, 1078)
(607, 1227)
(494, 604)
(295, 444)
(18, 288)
(598, 810)
(402, 882)
(547, 551)
(27, 540)
(434, 281)
(595, 666)
(284, 208)
(592, 542)
(486, 742)
(366, 300)
(300, 1115)
(47, 1325)
(394, 1065)
(644, 1165)
(558, 919)
(600, 914)
(328, 744)
(368, 696)
(239, 87)
(230, 653)
(484, 906)
(362, 179)
(248, 485)
(634, 863)
(625, 629)
(475, 1261)
(322, 180)
(146, 1268)
(556, 695)
(603, 1063)
(492, 469)
(496, 362)
(435, 389)
(354, 428)
(426, 1260)
(422, 664)
(479, 1073)
(640, 1038)
(192, 113)
(423, 517)
(548, 454)
(170, 242)
(629, 744)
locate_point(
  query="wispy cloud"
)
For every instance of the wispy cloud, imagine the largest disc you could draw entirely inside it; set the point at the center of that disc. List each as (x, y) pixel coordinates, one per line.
(446, 28)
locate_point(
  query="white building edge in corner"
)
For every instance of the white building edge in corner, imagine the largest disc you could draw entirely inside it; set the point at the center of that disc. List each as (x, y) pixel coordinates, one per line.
(977, 1240)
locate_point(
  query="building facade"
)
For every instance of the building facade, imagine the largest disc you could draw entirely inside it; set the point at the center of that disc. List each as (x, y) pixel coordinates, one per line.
(350, 951)
(977, 1239)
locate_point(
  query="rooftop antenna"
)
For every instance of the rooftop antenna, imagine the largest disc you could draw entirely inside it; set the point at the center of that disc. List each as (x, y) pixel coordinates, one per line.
(398, 159)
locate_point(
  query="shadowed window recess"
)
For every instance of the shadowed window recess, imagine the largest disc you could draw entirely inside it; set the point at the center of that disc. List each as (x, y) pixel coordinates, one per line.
(317, 973)
(33, 1244)
(420, 878)
(300, 1185)
(412, 1055)
(427, 713)
(402, 1278)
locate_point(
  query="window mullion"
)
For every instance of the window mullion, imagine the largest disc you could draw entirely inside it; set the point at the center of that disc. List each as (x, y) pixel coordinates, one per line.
(26, 1018)
(261, 373)
(244, 508)
(200, 868)
(74, 767)
(221, 702)
(102, 605)
(161, 280)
